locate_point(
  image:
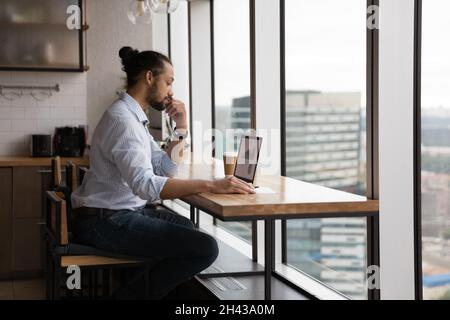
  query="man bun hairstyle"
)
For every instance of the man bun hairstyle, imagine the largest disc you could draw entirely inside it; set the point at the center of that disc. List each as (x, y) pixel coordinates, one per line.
(127, 52)
(134, 62)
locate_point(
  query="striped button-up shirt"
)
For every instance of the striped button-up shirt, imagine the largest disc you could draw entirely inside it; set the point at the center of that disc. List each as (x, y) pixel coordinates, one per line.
(127, 167)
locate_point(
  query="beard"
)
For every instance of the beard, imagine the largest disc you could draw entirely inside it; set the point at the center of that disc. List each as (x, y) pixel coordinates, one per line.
(158, 105)
(154, 101)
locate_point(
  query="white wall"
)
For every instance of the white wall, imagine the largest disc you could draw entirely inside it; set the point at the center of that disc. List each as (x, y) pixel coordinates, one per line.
(25, 116)
(109, 30)
(201, 74)
(396, 149)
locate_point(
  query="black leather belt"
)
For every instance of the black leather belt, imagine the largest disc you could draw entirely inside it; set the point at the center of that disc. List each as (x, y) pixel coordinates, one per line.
(84, 212)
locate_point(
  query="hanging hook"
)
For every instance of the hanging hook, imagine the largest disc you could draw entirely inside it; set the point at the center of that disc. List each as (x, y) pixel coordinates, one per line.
(40, 95)
(11, 96)
(34, 95)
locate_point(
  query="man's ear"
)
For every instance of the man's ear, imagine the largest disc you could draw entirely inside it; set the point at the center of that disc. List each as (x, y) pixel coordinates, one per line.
(149, 77)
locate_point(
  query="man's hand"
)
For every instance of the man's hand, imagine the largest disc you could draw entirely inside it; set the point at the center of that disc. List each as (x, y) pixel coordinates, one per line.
(231, 185)
(177, 111)
(176, 188)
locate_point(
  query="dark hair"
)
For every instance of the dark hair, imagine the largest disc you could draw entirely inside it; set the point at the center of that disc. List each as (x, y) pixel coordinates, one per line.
(134, 62)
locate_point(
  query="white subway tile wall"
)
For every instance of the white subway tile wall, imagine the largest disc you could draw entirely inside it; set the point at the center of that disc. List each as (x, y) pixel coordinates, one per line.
(21, 117)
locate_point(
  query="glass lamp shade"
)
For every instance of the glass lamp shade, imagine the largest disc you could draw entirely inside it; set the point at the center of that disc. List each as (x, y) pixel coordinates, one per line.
(139, 12)
(164, 6)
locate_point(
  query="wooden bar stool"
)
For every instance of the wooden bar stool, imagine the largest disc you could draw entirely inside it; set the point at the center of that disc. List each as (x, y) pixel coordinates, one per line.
(63, 252)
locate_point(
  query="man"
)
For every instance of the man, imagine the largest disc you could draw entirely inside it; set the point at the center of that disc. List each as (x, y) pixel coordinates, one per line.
(127, 169)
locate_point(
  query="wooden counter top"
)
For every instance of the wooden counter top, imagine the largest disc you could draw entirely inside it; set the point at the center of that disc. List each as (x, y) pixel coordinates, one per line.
(290, 198)
(37, 162)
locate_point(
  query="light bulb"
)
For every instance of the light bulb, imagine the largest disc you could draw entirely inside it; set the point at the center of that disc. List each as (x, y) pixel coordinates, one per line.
(164, 6)
(140, 8)
(139, 12)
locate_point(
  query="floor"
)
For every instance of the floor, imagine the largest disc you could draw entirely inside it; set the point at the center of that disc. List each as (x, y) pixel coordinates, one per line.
(34, 289)
(229, 260)
(243, 287)
(30, 289)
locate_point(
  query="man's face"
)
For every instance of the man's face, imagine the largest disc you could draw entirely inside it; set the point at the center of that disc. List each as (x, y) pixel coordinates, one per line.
(160, 94)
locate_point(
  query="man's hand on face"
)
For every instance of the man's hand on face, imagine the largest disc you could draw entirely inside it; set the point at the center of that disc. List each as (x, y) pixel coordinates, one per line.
(177, 111)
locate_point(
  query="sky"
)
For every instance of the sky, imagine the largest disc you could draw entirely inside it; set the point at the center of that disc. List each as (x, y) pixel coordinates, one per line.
(325, 48)
(231, 50)
(435, 54)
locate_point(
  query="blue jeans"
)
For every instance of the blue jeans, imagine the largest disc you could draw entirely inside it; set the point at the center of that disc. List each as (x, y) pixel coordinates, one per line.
(178, 250)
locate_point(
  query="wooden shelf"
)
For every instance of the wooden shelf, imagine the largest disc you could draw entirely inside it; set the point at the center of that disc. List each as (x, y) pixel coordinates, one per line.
(39, 25)
(31, 25)
(40, 66)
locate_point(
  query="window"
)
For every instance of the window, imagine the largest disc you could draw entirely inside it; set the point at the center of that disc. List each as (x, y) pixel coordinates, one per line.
(325, 133)
(179, 55)
(231, 24)
(435, 162)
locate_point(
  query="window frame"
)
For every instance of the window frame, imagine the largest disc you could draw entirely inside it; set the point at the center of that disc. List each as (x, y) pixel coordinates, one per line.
(417, 162)
(372, 107)
(300, 281)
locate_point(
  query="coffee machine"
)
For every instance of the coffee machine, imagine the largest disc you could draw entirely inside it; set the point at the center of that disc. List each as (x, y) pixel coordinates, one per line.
(41, 145)
(69, 141)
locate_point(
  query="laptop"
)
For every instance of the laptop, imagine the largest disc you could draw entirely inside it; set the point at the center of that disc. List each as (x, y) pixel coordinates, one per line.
(247, 158)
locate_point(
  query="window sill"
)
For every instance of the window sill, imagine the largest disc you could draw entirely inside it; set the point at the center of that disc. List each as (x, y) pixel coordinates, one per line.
(308, 284)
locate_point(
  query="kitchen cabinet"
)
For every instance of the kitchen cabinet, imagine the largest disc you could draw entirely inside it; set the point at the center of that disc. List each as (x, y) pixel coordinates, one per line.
(5, 220)
(21, 220)
(27, 195)
(23, 181)
(22, 214)
(29, 184)
(28, 247)
(36, 35)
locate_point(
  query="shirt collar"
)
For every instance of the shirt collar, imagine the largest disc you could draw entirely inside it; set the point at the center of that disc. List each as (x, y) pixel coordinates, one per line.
(134, 107)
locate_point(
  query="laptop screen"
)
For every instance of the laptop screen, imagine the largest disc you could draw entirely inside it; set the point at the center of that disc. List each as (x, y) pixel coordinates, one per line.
(247, 158)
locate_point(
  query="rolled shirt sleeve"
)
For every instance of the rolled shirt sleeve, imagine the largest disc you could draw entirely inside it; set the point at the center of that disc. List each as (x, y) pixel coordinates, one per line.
(163, 165)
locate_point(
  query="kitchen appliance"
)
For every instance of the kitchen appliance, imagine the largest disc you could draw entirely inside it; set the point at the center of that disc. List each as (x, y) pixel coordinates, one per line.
(41, 145)
(69, 141)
